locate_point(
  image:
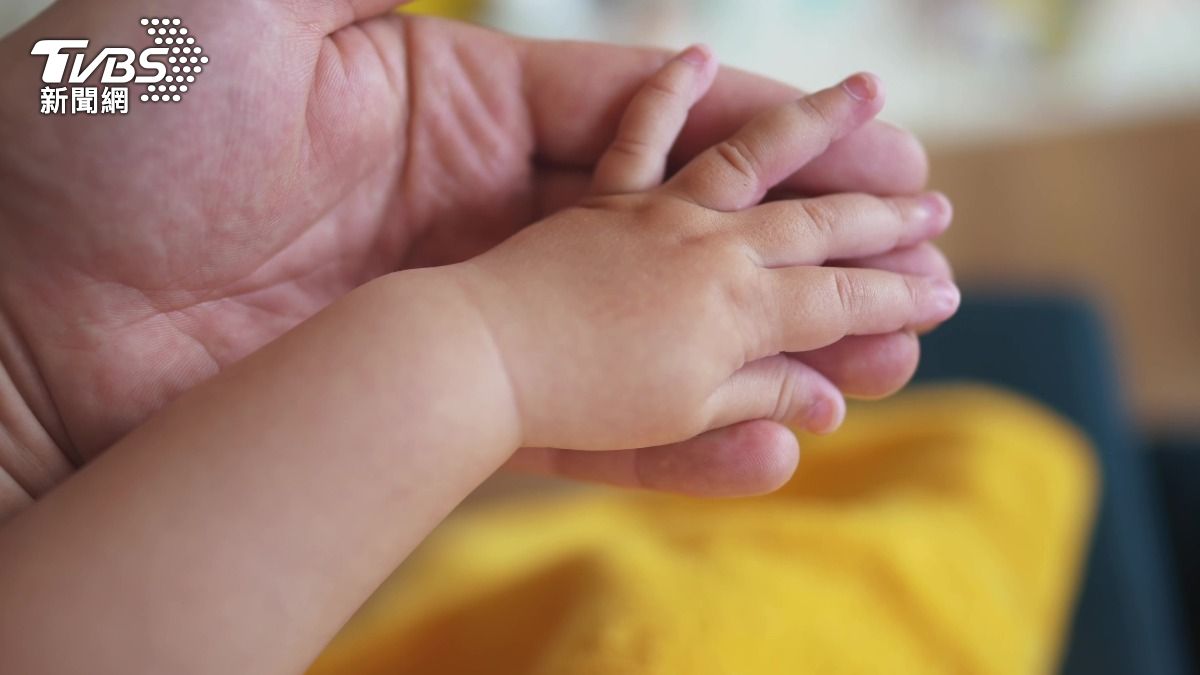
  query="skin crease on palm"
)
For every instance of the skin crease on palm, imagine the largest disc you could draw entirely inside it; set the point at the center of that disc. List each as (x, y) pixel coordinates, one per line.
(328, 143)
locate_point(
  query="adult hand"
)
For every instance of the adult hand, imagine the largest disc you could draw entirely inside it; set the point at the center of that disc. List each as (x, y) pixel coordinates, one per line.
(327, 143)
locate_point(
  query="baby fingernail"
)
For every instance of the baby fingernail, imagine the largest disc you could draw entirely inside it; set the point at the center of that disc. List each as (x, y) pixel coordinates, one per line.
(936, 207)
(697, 55)
(927, 215)
(945, 296)
(861, 87)
(823, 417)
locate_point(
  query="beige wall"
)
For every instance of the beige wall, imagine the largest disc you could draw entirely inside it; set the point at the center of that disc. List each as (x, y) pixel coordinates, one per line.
(1115, 213)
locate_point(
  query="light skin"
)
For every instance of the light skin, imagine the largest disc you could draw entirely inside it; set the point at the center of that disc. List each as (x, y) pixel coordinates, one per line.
(325, 145)
(705, 295)
(238, 528)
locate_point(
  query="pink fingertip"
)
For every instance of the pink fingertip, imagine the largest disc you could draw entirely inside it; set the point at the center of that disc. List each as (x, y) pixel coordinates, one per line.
(946, 297)
(941, 207)
(862, 86)
(825, 416)
(697, 55)
(935, 209)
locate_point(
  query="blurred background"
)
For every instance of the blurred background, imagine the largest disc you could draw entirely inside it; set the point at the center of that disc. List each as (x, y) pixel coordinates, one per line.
(1067, 133)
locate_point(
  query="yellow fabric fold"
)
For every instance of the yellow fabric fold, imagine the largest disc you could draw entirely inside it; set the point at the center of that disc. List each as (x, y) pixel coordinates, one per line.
(938, 532)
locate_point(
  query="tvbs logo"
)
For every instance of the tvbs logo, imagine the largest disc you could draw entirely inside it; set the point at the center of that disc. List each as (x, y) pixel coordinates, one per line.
(168, 70)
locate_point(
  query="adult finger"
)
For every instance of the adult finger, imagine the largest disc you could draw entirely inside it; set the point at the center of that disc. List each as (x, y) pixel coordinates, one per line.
(924, 259)
(736, 461)
(782, 389)
(867, 366)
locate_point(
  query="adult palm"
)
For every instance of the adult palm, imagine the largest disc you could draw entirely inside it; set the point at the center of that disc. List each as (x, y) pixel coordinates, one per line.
(324, 144)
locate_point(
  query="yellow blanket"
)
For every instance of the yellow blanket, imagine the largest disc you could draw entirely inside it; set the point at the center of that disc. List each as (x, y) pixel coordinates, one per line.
(939, 532)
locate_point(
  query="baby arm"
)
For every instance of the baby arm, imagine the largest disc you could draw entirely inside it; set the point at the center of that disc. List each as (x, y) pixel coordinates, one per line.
(236, 530)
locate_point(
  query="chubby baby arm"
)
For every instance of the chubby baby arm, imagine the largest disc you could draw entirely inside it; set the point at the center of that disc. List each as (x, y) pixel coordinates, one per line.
(238, 528)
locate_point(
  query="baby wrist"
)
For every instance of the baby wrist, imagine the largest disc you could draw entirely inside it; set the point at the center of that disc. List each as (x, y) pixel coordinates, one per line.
(460, 359)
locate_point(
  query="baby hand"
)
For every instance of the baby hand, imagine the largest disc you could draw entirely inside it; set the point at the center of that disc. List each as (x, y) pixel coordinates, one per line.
(654, 311)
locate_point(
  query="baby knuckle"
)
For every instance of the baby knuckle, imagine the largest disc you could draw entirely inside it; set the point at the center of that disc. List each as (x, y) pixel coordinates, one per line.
(895, 212)
(731, 246)
(746, 311)
(817, 111)
(665, 88)
(663, 215)
(631, 147)
(890, 216)
(737, 155)
(709, 250)
(785, 399)
(821, 217)
(849, 291)
(736, 271)
(912, 292)
(629, 204)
